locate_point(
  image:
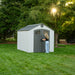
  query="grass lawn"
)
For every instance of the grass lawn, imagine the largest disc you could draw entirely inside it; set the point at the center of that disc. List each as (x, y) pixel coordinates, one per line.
(15, 62)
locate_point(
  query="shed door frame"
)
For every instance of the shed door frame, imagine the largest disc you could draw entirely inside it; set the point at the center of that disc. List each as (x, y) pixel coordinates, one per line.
(42, 30)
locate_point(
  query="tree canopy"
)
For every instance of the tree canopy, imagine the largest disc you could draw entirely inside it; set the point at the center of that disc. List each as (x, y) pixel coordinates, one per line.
(15, 14)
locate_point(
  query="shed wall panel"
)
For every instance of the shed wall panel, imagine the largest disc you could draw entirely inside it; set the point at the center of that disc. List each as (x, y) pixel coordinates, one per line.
(25, 41)
(30, 41)
(51, 41)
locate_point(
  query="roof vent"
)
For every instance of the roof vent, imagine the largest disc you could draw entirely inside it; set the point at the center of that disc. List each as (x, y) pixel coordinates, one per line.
(41, 25)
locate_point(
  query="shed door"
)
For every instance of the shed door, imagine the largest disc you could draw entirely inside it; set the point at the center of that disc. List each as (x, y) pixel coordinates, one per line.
(39, 45)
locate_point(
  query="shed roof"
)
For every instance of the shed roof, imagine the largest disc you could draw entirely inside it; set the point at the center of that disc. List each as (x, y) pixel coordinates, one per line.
(29, 27)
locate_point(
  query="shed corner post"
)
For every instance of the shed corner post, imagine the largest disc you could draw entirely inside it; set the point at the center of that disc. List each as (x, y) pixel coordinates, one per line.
(51, 41)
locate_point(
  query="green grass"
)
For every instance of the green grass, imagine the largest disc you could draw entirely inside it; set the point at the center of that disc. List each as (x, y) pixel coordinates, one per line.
(15, 62)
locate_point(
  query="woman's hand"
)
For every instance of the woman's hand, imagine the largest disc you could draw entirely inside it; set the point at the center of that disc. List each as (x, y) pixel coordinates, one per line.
(43, 39)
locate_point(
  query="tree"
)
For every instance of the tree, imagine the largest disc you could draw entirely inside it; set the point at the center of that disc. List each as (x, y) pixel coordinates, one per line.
(9, 17)
(63, 18)
(37, 11)
(68, 27)
(34, 11)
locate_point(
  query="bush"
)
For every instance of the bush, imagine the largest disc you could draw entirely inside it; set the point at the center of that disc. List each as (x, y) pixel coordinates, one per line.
(11, 39)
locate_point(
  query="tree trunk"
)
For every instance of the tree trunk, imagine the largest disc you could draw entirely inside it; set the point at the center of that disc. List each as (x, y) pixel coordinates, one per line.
(4, 37)
(56, 39)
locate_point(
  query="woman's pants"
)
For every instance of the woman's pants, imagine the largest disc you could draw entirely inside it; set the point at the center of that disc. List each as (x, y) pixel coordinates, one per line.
(47, 46)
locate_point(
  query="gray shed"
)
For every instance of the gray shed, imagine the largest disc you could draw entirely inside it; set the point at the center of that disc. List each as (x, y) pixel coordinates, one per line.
(29, 38)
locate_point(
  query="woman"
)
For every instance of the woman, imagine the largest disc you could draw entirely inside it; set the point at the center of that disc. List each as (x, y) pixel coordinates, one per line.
(46, 42)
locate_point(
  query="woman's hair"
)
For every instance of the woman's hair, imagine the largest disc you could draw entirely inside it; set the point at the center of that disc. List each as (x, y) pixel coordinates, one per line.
(46, 35)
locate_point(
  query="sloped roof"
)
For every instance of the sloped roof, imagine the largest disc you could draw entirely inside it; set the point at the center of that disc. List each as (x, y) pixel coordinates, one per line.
(29, 27)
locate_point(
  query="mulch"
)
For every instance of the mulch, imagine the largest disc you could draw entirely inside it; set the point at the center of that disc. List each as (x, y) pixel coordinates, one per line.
(9, 43)
(16, 43)
(68, 43)
(71, 44)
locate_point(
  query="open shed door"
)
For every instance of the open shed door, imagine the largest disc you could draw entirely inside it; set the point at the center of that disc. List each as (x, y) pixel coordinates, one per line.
(39, 45)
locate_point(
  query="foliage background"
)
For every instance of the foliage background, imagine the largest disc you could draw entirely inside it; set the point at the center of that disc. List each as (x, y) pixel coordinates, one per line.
(16, 14)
